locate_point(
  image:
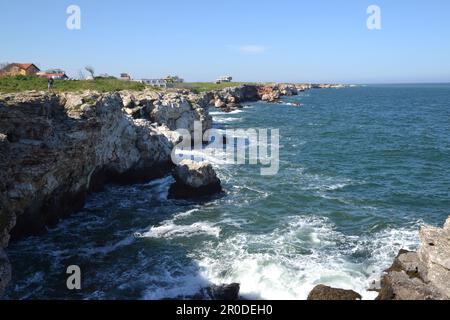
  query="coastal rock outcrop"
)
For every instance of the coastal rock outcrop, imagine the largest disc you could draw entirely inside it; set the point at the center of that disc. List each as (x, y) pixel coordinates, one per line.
(226, 292)
(231, 99)
(56, 148)
(194, 179)
(176, 110)
(322, 292)
(5, 272)
(421, 275)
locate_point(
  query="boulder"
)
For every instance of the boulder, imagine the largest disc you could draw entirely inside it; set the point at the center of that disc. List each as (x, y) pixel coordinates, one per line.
(322, 292)
(421, 275)
(194, 179)
(226, 292)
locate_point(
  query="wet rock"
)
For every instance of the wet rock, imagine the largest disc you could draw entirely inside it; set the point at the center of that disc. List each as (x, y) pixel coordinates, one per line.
(322, 292)
(421, 275)
(228, 292)
(5, 272)
(194, 179)
(56, 148)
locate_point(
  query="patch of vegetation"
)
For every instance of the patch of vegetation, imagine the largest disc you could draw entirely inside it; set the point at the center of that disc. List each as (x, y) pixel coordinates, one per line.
(209, 86)
(26, 83)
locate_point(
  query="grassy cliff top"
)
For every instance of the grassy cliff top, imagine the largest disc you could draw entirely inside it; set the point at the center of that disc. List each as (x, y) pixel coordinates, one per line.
(209, 86)
(26, 83)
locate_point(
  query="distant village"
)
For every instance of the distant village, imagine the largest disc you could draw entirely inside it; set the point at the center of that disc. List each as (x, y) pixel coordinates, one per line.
(24, 69)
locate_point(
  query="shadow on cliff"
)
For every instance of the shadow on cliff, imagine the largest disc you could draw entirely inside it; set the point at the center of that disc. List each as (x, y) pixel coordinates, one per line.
(130, 243)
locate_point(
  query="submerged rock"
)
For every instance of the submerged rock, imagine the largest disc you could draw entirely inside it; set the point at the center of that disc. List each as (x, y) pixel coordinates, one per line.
(421, 275)
(5, 272)
(322, 292)
(227, 292)
(194, 179)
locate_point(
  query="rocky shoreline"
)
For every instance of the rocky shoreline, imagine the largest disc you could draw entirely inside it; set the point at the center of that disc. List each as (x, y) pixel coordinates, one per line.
(57, 148)
(231, 99)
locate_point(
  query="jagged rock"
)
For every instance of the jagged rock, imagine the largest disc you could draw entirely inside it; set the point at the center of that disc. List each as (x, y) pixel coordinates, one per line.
(434, 252)
(5, 272)
(56, 148)
(194, 179)
(424, 275)
(322, 292)
(219, 103)
(227, 292)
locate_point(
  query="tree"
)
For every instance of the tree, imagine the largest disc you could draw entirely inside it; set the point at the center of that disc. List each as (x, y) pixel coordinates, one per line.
(91, 70)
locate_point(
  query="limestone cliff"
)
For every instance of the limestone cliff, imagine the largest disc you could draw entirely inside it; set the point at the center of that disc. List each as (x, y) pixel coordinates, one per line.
(421, 275)
(56, 148)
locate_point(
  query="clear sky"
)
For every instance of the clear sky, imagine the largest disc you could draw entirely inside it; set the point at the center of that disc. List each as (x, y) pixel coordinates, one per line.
(252, 40)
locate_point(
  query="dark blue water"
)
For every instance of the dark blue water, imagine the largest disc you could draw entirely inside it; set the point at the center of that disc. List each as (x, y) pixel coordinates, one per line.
(361, 169)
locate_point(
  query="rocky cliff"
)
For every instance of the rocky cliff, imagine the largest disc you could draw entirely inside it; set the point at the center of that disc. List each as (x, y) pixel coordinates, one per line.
(421, 275)
(230, 99)
(56, 148)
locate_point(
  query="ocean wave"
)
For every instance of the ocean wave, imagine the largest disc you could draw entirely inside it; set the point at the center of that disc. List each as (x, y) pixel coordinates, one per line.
(308, 250)
(226, 120)
(169, 228)
(172, 230)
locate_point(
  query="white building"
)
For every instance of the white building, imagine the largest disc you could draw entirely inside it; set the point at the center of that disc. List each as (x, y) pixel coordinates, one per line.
(224, 79)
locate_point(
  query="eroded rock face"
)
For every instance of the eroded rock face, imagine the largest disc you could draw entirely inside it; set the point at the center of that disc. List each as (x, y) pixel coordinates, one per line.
(226, 292)
(421, 275)
(5, 272)
(56, 148)
(231, 99)
(322, 292)
(194, 179)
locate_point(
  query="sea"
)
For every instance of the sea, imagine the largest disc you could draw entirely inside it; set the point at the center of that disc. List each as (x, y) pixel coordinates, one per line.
(361, 170)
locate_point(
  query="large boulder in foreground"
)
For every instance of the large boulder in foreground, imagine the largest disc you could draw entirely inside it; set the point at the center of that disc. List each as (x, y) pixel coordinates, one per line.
(421, 275)
(194, 179)
(322, 292)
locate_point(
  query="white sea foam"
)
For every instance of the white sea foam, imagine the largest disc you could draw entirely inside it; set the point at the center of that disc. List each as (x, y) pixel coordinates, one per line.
(215, 113)
(170, 229)
(290, 261)
(226, 120)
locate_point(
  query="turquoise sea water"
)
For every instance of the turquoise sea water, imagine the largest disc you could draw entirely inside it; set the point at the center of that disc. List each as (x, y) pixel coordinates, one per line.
(361, 169)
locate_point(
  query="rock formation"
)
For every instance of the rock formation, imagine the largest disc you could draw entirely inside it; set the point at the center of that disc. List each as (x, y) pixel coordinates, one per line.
(226, 292)
(5, 272)
(194, 179)
(421, 275)
(56, 148)
(322, 292)
(230, 99)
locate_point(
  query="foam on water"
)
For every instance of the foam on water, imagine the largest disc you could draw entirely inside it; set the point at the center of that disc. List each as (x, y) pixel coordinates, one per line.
(227, 120)
(290, 261)
(170, 229)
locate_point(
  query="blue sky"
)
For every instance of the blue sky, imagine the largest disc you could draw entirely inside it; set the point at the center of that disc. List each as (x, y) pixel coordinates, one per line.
(252, 40)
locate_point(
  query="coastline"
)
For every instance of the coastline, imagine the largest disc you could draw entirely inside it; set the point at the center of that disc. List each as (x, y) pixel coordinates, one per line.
(56, 148)
(133, 113)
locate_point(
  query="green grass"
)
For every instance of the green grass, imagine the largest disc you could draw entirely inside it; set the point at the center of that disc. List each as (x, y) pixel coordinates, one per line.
(208, 86)
(26, 83)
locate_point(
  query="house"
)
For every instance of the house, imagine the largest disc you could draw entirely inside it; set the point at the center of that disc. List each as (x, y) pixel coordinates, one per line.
(125, 76)
(224, 79)
(173, 79)
(17, 69)
(56, 74)
(159, 83)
